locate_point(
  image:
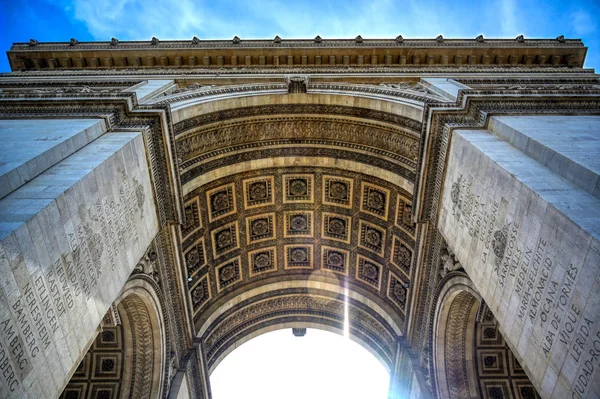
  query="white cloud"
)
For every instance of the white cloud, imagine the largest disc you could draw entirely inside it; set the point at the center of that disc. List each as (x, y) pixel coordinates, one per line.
(582, 22)
(179, 19)
(139, 19)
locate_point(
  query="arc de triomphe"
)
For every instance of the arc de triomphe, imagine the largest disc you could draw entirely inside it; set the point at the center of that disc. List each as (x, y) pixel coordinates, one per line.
(162, 202)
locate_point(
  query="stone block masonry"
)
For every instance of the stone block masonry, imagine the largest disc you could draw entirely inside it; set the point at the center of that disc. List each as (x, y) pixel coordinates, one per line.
(30, 147)
(69, 239)
(529, 240)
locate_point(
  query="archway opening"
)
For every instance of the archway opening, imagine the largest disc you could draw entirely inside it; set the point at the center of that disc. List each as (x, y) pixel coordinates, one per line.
(126, 358)
(471, 357)
(319, 364)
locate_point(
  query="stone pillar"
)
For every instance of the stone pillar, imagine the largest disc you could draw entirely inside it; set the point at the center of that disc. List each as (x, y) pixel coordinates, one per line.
(197, 373)
(71, 232)
(179, 387)
(406, 378)
(520, 208)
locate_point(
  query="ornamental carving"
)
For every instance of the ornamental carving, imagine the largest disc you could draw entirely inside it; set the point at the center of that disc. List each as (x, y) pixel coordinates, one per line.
(260, 228)
(201, 292)
(148, 264)
(143, 346)
(369, 272)
(372, 237)
(225, 239)
(335, 260)
(192, 87)
(258, 192)
(298, 188)
(405, 86)
(336, 227)
(236, 133)
(454, 347)
(221, 334)
(298, 223)
(375, 200)
(448, 261)
(337, 191)
(221, 202)
(297, 84)
(228, 273)
(262, 260)
(298, 256)
(311, 235)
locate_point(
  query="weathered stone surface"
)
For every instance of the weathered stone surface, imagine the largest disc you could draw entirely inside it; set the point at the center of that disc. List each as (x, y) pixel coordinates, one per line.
(528, 239)
(247, 115)
(568, 145)
(70, 239)
(29, 147)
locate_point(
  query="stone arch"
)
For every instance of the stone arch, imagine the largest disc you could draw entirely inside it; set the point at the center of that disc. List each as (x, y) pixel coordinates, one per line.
(306, 323)
(471, 359)
(367, 144)
(144, 339)
(455, 313)
(398, 102)
(317, 303)
(128, 356)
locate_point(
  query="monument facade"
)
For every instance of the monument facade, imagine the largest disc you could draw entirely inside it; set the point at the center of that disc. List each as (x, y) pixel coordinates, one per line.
(163, 202)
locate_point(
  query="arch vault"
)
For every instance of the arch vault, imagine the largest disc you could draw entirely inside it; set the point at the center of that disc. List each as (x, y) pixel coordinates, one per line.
(411, 193)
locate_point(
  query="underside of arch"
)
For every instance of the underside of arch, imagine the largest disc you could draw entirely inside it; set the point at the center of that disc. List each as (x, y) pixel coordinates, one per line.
(298, 308)
(471, 359)
(297, 207)
(127, 358)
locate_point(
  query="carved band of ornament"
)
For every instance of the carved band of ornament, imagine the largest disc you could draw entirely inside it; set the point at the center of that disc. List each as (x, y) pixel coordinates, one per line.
(389, 90)
(546, 81)
(423, 314)
(177, 73)
(294, 109)
(195, 376)
(298, 291)
(19, 85)
(455, 337)
(170, 298)
(246, 132)
(219, 92)
(315, 120)
(76, 94)
(474, 116)
(373, 152)
(158, 260)
(143, 346)
(299, 307)
(298, 304)
(249, 56)
(297, 151)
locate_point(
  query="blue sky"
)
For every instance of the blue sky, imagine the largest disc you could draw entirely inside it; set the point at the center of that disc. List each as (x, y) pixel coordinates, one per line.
(59, 20)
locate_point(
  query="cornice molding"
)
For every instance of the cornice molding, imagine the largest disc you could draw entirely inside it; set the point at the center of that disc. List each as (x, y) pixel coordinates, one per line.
(246, 53)
(292, 43)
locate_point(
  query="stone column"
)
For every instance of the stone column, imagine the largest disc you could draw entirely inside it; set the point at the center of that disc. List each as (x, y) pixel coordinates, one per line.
(520, 208)
(406, 378)
(79, 214)
(197, 373)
